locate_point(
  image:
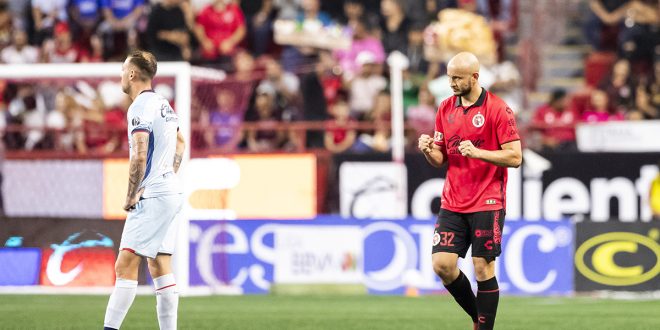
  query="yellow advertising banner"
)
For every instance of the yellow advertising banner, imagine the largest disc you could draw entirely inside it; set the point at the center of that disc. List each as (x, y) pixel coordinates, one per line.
(241, 186)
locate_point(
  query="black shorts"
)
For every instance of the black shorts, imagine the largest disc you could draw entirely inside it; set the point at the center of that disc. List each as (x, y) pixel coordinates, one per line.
(455, 232)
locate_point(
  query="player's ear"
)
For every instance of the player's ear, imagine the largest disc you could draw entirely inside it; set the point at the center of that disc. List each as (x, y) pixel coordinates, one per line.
(475, 76)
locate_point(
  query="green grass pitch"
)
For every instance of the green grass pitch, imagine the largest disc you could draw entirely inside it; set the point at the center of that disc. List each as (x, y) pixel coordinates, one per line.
(330, 312)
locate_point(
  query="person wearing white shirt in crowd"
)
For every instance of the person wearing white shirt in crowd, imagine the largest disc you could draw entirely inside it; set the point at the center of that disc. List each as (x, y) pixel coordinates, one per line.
(20, 52)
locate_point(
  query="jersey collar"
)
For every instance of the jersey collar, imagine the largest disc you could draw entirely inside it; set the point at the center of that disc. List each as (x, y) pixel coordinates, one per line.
(147, 91)
(480, 100)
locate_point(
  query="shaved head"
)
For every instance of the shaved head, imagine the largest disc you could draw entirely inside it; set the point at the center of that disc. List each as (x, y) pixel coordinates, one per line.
(463, 72)
(465, 62)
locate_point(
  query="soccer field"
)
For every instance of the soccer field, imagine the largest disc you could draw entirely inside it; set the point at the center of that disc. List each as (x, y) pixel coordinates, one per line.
(330, 312)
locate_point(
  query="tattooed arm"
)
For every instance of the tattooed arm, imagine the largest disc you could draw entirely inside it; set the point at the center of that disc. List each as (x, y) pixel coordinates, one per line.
(137, 167)
(178, 154)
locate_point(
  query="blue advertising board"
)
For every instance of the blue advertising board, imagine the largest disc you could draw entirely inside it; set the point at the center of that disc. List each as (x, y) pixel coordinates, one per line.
(394, 256)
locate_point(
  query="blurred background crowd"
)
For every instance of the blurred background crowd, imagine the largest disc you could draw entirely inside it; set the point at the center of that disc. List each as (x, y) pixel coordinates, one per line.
(604, 67)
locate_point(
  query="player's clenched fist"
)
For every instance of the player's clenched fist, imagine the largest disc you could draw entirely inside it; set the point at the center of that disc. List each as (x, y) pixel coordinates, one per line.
(467, 149)
(425, 143)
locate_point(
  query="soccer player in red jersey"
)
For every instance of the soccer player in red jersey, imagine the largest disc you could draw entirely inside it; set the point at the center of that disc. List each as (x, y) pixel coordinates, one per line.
(476, 135)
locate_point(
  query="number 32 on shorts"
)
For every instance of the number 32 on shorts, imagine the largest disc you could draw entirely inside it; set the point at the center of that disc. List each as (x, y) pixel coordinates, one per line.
(444, 238)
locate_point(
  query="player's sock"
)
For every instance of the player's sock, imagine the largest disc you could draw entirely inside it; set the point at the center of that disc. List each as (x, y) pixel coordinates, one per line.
(488, 295)
(462, 292)
(167, 301)
(120, 301)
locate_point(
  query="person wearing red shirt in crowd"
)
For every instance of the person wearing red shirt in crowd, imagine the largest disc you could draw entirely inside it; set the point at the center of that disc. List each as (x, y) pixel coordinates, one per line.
(476, 135)
(599, 109)
(220, 28)
(556, 121)
(62, 49)
(340, 136)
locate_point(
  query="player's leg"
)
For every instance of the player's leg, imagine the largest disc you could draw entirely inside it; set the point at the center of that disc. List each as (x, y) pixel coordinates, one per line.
(121, 299)
(451, 239)
(486, 246)
(160, 267)
(167, 295)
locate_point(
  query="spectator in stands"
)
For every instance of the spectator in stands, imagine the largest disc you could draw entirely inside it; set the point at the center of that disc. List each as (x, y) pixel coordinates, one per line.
(309, 14)
(84, 18)
(96, 49)
(329, 75)
(225, 119)
(259, 17)
(377, 140)
(20, 52)
(365, 86)
(61, 49)
(602, 21)
(244, 66)
(267, 137)
(220, 28)
(167, 31)
(340, 136)
(363, 41)
(287, 9)
(46, 14)
(311, 10)
(28, 108)
(502, 18)
(118, 28)
(556, 121)
(319, 90)
(619, 85)
(435, 6)
(354, 13)
(599, 109)
(639, 35)
(6, 27)
(394, 26)
(21, 13)
(286, 85)
(644, 107)
(415, 51)
(64, 123)
(421, 116)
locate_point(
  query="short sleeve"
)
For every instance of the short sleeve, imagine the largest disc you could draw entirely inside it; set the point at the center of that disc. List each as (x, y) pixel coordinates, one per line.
(141, 119)
(439, 134)
(506, 128)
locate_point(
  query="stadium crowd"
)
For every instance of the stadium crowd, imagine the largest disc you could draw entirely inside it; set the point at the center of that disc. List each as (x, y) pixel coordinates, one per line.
(270, 83)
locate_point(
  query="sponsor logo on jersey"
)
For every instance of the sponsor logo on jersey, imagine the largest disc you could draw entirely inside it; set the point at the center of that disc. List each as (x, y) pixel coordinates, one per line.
(135, 121)
(490, 202)
(483, 233)
(165, 110)
(437, 137)
(478, 120)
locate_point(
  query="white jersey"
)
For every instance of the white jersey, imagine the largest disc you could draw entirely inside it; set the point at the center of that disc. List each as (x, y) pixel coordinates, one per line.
(151, 113)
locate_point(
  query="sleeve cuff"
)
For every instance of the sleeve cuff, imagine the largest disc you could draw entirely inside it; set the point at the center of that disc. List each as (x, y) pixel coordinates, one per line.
(140, 130)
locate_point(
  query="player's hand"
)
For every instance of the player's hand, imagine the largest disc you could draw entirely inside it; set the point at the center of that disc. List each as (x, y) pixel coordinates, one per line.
(467, 149)
(425, 143)
(132, 201)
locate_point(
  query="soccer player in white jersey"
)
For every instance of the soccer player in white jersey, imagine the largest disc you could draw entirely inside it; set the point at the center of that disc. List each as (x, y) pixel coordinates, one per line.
(154, 197)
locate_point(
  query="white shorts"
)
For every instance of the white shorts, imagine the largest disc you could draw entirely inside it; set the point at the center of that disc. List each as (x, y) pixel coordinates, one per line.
(151, 228)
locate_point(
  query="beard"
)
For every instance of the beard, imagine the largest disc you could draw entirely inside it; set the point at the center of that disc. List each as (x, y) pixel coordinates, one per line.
(463, 91)
(125, 88)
